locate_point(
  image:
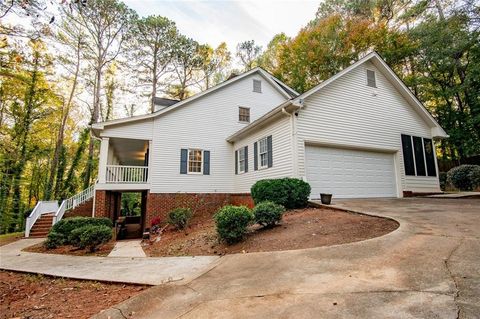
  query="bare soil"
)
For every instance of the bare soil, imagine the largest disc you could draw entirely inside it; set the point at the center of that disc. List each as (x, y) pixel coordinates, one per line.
(305, 228)
(103, 250)
(39, 297)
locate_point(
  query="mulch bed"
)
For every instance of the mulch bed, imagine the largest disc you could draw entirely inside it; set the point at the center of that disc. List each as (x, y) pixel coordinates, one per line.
(304, 228)
(103, 250)
(37, 296)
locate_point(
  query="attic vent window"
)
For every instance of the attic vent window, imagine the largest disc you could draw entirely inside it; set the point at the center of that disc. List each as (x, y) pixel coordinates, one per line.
(257, 86)
(371, 79)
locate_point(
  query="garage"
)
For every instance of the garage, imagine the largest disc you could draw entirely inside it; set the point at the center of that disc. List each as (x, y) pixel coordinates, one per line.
(348, 173)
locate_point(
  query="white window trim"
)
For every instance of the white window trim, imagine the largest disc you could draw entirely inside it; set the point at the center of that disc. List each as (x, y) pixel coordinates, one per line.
(188, 162)
(241, 149)
(253, 88)
(374, 76)
(259, 159)
(249, 115)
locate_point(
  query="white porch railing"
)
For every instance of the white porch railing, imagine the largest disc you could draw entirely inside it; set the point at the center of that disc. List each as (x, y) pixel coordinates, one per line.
(42, 207)
(126, 174)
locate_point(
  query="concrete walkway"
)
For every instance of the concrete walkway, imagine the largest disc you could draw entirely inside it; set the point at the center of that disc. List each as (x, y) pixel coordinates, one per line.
(428, 268)
(150, 271)
(128, 248)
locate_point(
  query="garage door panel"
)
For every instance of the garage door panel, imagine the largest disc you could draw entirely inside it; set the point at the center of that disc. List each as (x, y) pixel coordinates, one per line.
(350, 173)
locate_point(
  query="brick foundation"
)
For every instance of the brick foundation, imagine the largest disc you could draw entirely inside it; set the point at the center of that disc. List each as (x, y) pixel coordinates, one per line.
(84, 210)
(203, 204)
(103, 204)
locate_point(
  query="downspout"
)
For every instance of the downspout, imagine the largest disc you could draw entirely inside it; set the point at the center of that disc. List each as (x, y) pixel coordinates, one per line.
(294, 135)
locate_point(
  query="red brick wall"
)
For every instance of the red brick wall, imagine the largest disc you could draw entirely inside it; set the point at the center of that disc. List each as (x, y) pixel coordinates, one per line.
(203, 205)
(103, 204)
(84, 209)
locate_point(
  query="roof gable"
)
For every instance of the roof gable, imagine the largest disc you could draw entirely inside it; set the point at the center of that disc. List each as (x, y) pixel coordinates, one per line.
(278, 85)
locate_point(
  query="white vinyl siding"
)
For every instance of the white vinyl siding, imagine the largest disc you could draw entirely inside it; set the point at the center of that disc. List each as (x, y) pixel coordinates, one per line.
(281, 151)
(187, 127)
(141, 130)
(348, 112)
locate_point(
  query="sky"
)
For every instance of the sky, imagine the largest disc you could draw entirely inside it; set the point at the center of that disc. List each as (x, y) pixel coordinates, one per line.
(231, 21)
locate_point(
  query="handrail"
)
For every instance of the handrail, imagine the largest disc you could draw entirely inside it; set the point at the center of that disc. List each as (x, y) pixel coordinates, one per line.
(59, 214)
(126, 174)
(42, 207)
(73, 202)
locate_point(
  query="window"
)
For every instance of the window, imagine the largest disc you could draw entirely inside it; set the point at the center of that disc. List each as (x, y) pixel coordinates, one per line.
(244, 114)
(263, 152)
(241, 160)
(257, 86)
(195, 161)
(418, 156)
(371, 79)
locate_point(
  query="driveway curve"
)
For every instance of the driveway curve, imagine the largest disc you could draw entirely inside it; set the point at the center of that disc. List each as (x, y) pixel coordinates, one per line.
(427, 268)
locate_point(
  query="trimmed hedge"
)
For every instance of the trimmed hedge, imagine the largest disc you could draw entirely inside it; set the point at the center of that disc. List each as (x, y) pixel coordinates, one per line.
(65, 231)
(464, 177)
(92, 236)
(268, 213)
(232, 222)
(179, 217)
(288, 192)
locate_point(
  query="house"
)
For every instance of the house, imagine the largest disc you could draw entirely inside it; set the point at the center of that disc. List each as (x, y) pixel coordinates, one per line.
(361, 133)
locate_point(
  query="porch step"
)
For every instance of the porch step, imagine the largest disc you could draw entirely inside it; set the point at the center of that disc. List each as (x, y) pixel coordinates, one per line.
(42, 225)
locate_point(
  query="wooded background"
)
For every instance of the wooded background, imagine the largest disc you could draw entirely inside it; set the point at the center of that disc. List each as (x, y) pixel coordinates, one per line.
(68, 65)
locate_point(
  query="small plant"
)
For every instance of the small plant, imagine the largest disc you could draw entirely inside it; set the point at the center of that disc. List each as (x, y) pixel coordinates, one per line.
(288, 192)
(179, 217)
(268, 214)
(54, 240)
(92, 236)
(155, 221)
(464, 177)
(232, 222)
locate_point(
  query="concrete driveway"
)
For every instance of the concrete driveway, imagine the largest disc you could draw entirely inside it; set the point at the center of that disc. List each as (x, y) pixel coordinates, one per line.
(428, 268)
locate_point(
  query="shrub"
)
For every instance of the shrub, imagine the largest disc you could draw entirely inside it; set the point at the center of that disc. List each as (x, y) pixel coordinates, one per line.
(179, 217)
(442, 176)
(232, 222)
(288, 192)
(54, 240)
(92, 236)
(268, 213)
(464, 177)
(65, 227)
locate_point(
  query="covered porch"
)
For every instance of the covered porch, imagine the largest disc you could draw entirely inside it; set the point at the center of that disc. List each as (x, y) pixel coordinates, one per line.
(123, 164)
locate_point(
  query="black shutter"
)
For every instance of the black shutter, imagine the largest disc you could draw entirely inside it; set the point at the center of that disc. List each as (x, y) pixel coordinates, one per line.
(206, 162)
(183, 161)
(255, 156)
(419, 158)
(408, 155)
(236, 162)
(269, 149)
(246, 159)
(429, 157)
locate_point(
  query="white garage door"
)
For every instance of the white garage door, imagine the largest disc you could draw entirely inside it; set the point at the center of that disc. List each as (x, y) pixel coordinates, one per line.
(350, 173)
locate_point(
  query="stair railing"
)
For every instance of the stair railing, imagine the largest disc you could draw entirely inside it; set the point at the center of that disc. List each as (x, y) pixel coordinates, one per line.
(42, 207)
(73, 202)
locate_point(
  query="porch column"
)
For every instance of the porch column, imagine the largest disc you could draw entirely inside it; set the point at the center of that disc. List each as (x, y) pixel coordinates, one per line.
(149, 173)
(102, 161)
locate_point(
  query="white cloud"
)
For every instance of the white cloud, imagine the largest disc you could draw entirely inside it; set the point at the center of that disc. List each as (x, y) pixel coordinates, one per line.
(213, 22)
